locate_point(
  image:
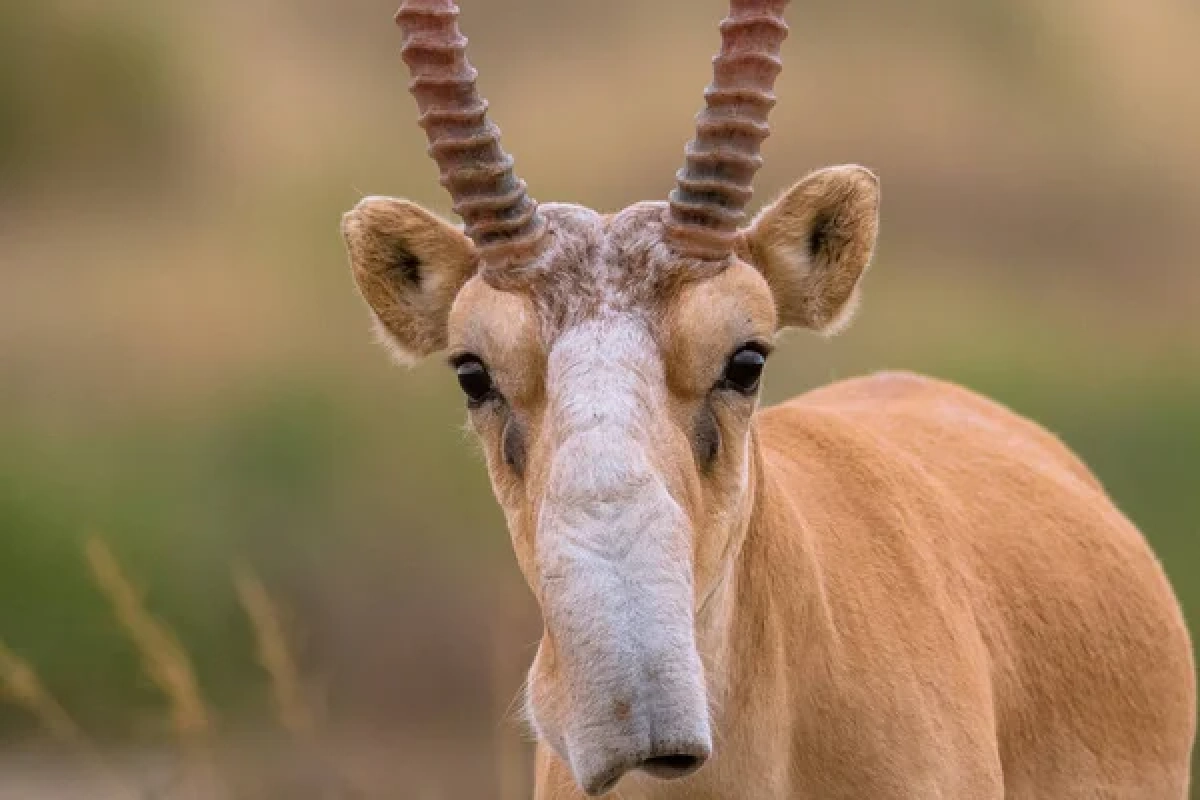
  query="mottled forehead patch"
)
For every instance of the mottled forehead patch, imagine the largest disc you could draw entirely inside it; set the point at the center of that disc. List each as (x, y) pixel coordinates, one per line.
(598, 263)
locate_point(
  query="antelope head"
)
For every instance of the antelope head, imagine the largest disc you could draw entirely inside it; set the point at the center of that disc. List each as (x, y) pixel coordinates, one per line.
(611, 366)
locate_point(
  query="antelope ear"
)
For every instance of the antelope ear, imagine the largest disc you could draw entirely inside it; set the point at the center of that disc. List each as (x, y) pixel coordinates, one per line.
(814, 243)
(409, 266)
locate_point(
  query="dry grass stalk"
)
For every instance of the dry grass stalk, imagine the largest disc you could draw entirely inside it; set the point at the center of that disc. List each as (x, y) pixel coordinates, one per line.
(23, 686)
(287, 689)
(20, 682)
(165, 662)
(296, 715)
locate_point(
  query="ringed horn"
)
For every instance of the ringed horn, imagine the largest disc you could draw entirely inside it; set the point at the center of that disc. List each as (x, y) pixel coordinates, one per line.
(500, 217)
(712, 190)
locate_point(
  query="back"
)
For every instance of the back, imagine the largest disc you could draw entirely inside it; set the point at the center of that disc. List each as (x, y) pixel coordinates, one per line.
(964, 538)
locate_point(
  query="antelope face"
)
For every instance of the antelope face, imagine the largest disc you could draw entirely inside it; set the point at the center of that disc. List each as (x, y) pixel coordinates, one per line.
(611, 367)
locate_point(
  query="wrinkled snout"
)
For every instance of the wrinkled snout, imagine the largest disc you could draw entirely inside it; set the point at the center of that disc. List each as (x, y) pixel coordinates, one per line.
(610, 709)
(618, 684)
(665, 749)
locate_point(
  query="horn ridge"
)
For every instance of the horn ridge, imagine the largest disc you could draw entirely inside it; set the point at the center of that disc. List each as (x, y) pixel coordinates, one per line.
(498, 214)
(712, 190)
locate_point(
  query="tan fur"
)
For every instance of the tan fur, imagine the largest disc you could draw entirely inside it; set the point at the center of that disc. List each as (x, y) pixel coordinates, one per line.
(902, 590)
(824, 222)
(391, 243)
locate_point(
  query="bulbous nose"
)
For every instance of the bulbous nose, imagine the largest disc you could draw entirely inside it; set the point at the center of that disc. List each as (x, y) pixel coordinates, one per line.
(666, 760)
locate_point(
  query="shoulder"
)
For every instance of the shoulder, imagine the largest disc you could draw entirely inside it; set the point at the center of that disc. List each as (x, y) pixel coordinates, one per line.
(884, 397)
(923, 419)
(884, 389)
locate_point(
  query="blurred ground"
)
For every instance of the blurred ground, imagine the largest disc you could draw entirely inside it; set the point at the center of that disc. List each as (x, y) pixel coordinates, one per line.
(186, 371)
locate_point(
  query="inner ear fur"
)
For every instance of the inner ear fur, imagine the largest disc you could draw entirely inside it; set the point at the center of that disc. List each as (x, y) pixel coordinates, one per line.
(814, 243)
(409, 265)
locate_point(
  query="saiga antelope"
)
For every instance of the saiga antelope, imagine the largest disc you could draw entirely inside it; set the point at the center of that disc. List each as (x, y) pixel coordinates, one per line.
(887, 588)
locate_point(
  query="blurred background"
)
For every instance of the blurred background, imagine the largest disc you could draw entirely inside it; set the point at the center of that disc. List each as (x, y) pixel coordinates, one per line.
(235, 541)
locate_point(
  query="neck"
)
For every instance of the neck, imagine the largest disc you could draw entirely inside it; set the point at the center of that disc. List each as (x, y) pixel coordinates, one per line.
(767, 603)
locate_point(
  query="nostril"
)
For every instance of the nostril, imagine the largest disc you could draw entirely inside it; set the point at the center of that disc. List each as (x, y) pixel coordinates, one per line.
(675, 765)
(669, 766)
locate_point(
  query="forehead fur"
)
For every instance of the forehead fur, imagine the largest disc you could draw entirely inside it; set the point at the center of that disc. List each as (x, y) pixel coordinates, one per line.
(594, 262)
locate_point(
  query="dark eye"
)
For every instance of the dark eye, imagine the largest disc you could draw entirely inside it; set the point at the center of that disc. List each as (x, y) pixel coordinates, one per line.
(744, 370)
(474, 379)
